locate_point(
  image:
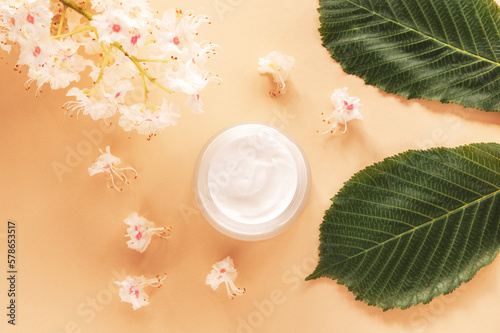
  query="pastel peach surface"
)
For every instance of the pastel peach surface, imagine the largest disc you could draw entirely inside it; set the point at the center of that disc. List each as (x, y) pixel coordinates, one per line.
(71, 247)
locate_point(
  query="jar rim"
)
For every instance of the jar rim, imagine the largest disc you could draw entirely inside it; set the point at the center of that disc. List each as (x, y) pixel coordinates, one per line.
(230, 226)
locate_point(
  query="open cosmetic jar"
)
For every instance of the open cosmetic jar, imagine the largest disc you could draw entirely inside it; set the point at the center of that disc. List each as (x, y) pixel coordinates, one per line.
(251, 181)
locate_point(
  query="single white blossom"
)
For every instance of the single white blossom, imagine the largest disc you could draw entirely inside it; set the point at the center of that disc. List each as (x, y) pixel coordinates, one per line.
(195, 103)
(224, 271)
(35, 51)
(346, 109)
(91, 102)
(141, 230)
(107, 164)
(189, 79)
(132, 289)
(124, 22)
(62, 66)
(148, 119)
(27, 19)
(279, 66)
(176, 32)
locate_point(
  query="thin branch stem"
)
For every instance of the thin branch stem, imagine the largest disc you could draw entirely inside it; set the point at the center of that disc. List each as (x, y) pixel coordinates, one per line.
(154, 60)
(61, 23)
(103, 67)
(76, 32)
(146, 90)
(140, 68)
(152, 41)
(74, 6)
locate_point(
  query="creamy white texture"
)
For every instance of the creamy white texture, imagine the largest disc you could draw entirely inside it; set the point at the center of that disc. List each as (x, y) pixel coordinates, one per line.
(252, 178)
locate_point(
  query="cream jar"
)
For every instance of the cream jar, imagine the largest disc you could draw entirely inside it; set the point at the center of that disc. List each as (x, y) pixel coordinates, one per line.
(251, 181)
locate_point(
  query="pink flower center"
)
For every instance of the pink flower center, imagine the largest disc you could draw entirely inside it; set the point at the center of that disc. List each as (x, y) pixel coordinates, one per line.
(37, 51)
(139, 234)
(117, 95)
(116, 28)
(66, 57)
(30, 18)
(350, 107)
(222, 271)
(176, 40)
(133, 290)
(134, 39)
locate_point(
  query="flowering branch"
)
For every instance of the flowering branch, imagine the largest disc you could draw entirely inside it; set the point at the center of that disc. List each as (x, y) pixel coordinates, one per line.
(55, 56)
(72, 5)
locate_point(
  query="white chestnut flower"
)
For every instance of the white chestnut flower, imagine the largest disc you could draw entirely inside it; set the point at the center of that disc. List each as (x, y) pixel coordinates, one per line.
(141, 230)
(25, 20)
(55, 62)
(124, 22)
(132, 289)
(107, 164)
(224, 271)
(279, 65)
(195, 103)
(346, 109)
(176, 32)
(149, 119)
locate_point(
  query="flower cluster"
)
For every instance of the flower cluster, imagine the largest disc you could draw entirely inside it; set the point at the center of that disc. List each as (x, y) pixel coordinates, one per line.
(126, 48)
(346, 109)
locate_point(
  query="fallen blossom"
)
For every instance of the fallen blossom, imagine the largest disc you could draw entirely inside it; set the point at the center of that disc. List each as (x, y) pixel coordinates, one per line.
(224, 271)
(141, 231)
(279, 66)
(107, 163)
(346, 109)
(132, 289)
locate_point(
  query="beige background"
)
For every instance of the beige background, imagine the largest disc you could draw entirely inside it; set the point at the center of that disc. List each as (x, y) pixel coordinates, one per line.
(71, 244)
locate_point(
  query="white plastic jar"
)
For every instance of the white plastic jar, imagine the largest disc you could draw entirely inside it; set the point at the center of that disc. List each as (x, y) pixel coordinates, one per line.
(251, 181)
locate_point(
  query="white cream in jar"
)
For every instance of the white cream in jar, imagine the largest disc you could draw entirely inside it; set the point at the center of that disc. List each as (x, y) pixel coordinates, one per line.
(251, 181)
